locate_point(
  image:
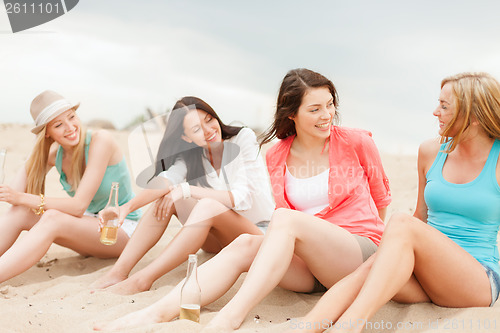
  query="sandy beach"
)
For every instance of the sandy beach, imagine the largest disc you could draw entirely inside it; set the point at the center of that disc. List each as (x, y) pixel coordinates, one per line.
(54, 295)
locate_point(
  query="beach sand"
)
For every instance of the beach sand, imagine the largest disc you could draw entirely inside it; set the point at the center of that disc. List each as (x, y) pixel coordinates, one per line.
(54, 296)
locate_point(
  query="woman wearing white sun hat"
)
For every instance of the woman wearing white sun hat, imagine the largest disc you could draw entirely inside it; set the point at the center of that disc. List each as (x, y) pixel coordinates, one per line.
(88, 162)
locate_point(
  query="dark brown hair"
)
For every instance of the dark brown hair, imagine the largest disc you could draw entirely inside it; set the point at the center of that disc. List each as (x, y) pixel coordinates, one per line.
(173, 147)
(293, 88)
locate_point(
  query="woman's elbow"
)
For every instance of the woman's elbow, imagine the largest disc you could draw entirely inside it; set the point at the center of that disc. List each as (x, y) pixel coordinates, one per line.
(78, 209)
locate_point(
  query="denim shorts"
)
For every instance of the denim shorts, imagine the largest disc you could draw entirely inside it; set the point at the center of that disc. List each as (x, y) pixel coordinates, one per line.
(263, 225)
(494, 283)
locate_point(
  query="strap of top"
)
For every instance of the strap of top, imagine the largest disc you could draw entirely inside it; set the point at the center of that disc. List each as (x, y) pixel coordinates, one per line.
(489, 167)
(438, 163)
(494, 153)
(491, 163)
(88, 138)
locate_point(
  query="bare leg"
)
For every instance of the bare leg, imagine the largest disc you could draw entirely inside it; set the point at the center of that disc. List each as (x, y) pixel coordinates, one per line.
(453, 278)
(146, 235)
(338, 298)
(79, 234)
(15, 220)
(328, 251)
(233, 260)
(224, 225)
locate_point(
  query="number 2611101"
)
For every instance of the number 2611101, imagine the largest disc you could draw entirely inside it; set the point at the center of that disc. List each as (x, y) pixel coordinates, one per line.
(41, 8)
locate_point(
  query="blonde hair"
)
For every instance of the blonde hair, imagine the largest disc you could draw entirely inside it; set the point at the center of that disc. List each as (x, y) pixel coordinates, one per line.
(36, 166)
(477, 98)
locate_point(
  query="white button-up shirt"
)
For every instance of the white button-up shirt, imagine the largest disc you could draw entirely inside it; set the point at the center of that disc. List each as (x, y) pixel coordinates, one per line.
(242, 172)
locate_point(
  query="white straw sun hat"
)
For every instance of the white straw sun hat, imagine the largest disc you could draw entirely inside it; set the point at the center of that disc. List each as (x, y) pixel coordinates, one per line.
(47, 106)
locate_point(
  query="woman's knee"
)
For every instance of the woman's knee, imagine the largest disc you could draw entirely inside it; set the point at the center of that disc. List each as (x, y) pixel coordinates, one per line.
(51, 220)
(401, 225)
(20, 216)
(283, 218)
(205, 210)
(208, 206)
(244, 249)
(207, 203)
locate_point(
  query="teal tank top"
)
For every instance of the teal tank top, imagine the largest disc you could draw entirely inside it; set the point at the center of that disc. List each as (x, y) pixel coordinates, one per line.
(114, 173)
(469, 214)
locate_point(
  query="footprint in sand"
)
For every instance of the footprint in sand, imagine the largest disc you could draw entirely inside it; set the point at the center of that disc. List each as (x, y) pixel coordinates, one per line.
(7, 292)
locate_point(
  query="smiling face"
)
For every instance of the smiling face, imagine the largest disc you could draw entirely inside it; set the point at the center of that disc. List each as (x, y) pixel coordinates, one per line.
(315, 114)
(65, 129)
(201, 128)
(446, 110)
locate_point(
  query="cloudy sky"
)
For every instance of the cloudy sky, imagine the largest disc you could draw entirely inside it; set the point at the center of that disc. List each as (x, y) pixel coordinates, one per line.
(386, 58)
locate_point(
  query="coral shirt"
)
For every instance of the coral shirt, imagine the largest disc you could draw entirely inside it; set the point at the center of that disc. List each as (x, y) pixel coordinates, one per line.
(357, 184)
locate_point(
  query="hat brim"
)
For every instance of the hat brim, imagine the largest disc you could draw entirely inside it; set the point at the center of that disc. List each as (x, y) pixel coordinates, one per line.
(38, 129)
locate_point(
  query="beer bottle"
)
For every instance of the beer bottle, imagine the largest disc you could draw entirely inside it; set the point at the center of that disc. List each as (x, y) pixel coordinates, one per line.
(191, 292)
(110, 216)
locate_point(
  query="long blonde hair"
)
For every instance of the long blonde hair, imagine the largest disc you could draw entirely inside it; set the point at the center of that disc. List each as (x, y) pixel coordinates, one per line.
(36, 166)
(477, 98)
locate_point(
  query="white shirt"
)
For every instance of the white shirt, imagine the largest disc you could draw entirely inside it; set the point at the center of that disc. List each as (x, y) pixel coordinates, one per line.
(309, 195)
(243, 173)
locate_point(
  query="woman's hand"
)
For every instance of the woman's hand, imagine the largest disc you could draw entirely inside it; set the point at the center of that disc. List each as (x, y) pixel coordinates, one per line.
(164, 206)
(111, 213)
(9, 195)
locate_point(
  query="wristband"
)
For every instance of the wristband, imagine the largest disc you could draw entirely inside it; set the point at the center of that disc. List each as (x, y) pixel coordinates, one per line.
(186, 190)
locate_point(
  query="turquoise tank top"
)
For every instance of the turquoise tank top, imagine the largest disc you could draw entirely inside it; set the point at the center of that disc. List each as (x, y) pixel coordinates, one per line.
(469, 214)
(114, 173)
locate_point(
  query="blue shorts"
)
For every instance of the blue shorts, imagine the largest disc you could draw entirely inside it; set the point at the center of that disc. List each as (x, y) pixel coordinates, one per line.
(494, 283)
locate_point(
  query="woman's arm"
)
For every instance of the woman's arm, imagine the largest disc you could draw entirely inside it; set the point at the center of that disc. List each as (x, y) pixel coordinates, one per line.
(382, 212)
(143, 198)
(102, 150)
(370, 161)
(427, 153)
(247, 172)
(224, 197)
(12, 193)
(15, 193)
(243, 172)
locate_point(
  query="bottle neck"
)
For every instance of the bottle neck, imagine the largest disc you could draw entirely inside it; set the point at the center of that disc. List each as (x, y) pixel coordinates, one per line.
(113, 196)
(191, 271)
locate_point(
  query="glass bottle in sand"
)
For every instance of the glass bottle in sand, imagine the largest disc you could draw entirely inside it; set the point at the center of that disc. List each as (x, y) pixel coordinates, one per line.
(3, 154)
(191, 292)
(110, 215)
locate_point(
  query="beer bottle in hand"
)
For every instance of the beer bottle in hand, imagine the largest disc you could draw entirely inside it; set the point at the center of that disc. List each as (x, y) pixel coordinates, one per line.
(110, 215)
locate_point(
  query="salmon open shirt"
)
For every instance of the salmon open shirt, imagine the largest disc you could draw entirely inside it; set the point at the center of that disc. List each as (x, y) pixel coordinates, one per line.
(357, 183)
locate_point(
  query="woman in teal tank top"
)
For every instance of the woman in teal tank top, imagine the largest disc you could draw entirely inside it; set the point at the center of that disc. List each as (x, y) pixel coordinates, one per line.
(447, 252)
(88, 163)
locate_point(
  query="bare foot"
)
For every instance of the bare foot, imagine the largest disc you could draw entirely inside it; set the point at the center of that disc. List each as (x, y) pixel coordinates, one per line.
(130, 286)
(221, 323)
(107, 280)
(134, 319)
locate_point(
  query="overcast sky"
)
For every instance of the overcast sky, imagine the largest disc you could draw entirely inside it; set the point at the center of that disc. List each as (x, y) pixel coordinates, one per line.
(386, 58)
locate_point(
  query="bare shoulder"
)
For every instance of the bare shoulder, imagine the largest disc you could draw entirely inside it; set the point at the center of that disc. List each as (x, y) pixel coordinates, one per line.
(104, 142)
(427, 153)
(429, 147)
(52, 154)
(102, 137)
